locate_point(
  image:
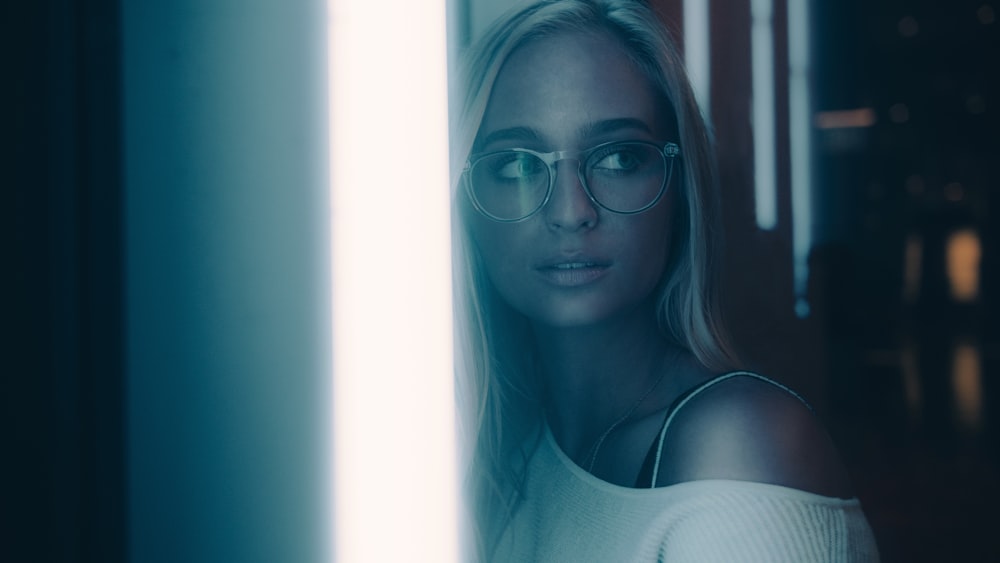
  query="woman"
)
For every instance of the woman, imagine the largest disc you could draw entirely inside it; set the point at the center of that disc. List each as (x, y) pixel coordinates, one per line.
(606, 421)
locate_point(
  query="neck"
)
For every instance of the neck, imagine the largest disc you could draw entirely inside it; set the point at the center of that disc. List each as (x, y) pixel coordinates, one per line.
(594, 375)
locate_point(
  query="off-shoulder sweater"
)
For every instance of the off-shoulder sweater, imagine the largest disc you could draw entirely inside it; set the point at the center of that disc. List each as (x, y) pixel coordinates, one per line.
(569, 515)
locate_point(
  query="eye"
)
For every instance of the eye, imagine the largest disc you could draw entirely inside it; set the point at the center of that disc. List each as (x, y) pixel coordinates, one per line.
(619, 159)
(515, 166)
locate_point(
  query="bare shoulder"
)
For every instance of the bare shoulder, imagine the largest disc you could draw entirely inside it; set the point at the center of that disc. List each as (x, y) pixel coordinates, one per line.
(750, 430)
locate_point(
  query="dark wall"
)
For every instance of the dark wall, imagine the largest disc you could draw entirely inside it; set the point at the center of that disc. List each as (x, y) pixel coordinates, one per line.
(63, 499)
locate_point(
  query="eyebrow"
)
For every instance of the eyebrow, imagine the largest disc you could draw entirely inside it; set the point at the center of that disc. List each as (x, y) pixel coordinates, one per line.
(606, 126)
(587, 131)
(518, 134)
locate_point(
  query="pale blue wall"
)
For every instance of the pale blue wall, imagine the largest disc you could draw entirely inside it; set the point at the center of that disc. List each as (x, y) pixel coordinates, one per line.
(226, 279)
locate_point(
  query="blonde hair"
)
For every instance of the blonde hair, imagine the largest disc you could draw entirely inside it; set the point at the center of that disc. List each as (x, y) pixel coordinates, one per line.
(499, 398)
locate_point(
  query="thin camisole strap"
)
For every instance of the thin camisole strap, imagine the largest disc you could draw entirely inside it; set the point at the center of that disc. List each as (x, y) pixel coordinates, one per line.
(683, 400)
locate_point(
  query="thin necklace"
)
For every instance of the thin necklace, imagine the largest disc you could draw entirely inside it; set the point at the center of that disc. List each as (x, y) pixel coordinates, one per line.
(600, 441)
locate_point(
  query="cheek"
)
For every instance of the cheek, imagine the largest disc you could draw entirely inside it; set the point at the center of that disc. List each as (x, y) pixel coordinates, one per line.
(495, 245)
(657, 238)
(655, 259)
(487, 238)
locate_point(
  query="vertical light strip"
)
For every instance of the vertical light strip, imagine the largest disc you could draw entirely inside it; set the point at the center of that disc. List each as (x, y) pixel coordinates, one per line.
(762, 64)
(697, 52)
(967, 385)
(394, 484)
(800, 139)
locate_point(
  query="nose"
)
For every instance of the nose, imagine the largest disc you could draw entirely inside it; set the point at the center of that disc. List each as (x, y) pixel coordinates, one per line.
(569, 207)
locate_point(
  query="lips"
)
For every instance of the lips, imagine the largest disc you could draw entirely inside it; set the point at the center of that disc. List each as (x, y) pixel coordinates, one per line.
(573, 265)
(573, 272)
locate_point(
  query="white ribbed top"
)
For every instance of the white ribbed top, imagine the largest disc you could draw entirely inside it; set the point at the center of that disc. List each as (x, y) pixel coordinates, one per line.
(570, 515)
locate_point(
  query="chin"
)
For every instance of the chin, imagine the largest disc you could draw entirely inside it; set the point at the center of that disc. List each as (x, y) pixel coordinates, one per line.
(579, 315)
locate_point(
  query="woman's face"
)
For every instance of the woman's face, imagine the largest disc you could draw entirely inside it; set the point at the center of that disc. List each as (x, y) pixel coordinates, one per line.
(573, 263)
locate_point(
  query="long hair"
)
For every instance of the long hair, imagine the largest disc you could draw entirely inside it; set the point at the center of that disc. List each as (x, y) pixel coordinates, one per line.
(499, 398)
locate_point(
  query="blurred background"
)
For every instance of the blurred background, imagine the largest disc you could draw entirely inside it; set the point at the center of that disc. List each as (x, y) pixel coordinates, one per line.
(906, 267)
(900, 350)
(166, 340)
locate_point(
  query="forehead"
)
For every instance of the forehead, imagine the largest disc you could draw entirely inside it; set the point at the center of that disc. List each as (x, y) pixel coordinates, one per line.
(558, 85)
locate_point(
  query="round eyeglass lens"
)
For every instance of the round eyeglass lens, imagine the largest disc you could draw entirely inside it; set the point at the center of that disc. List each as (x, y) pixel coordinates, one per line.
(509, 185)
(626, 177)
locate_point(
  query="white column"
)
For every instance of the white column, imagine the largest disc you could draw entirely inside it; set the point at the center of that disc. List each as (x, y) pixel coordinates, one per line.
(395, 486)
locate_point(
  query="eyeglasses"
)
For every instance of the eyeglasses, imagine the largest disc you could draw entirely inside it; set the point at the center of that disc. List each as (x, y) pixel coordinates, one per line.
(622, 177)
